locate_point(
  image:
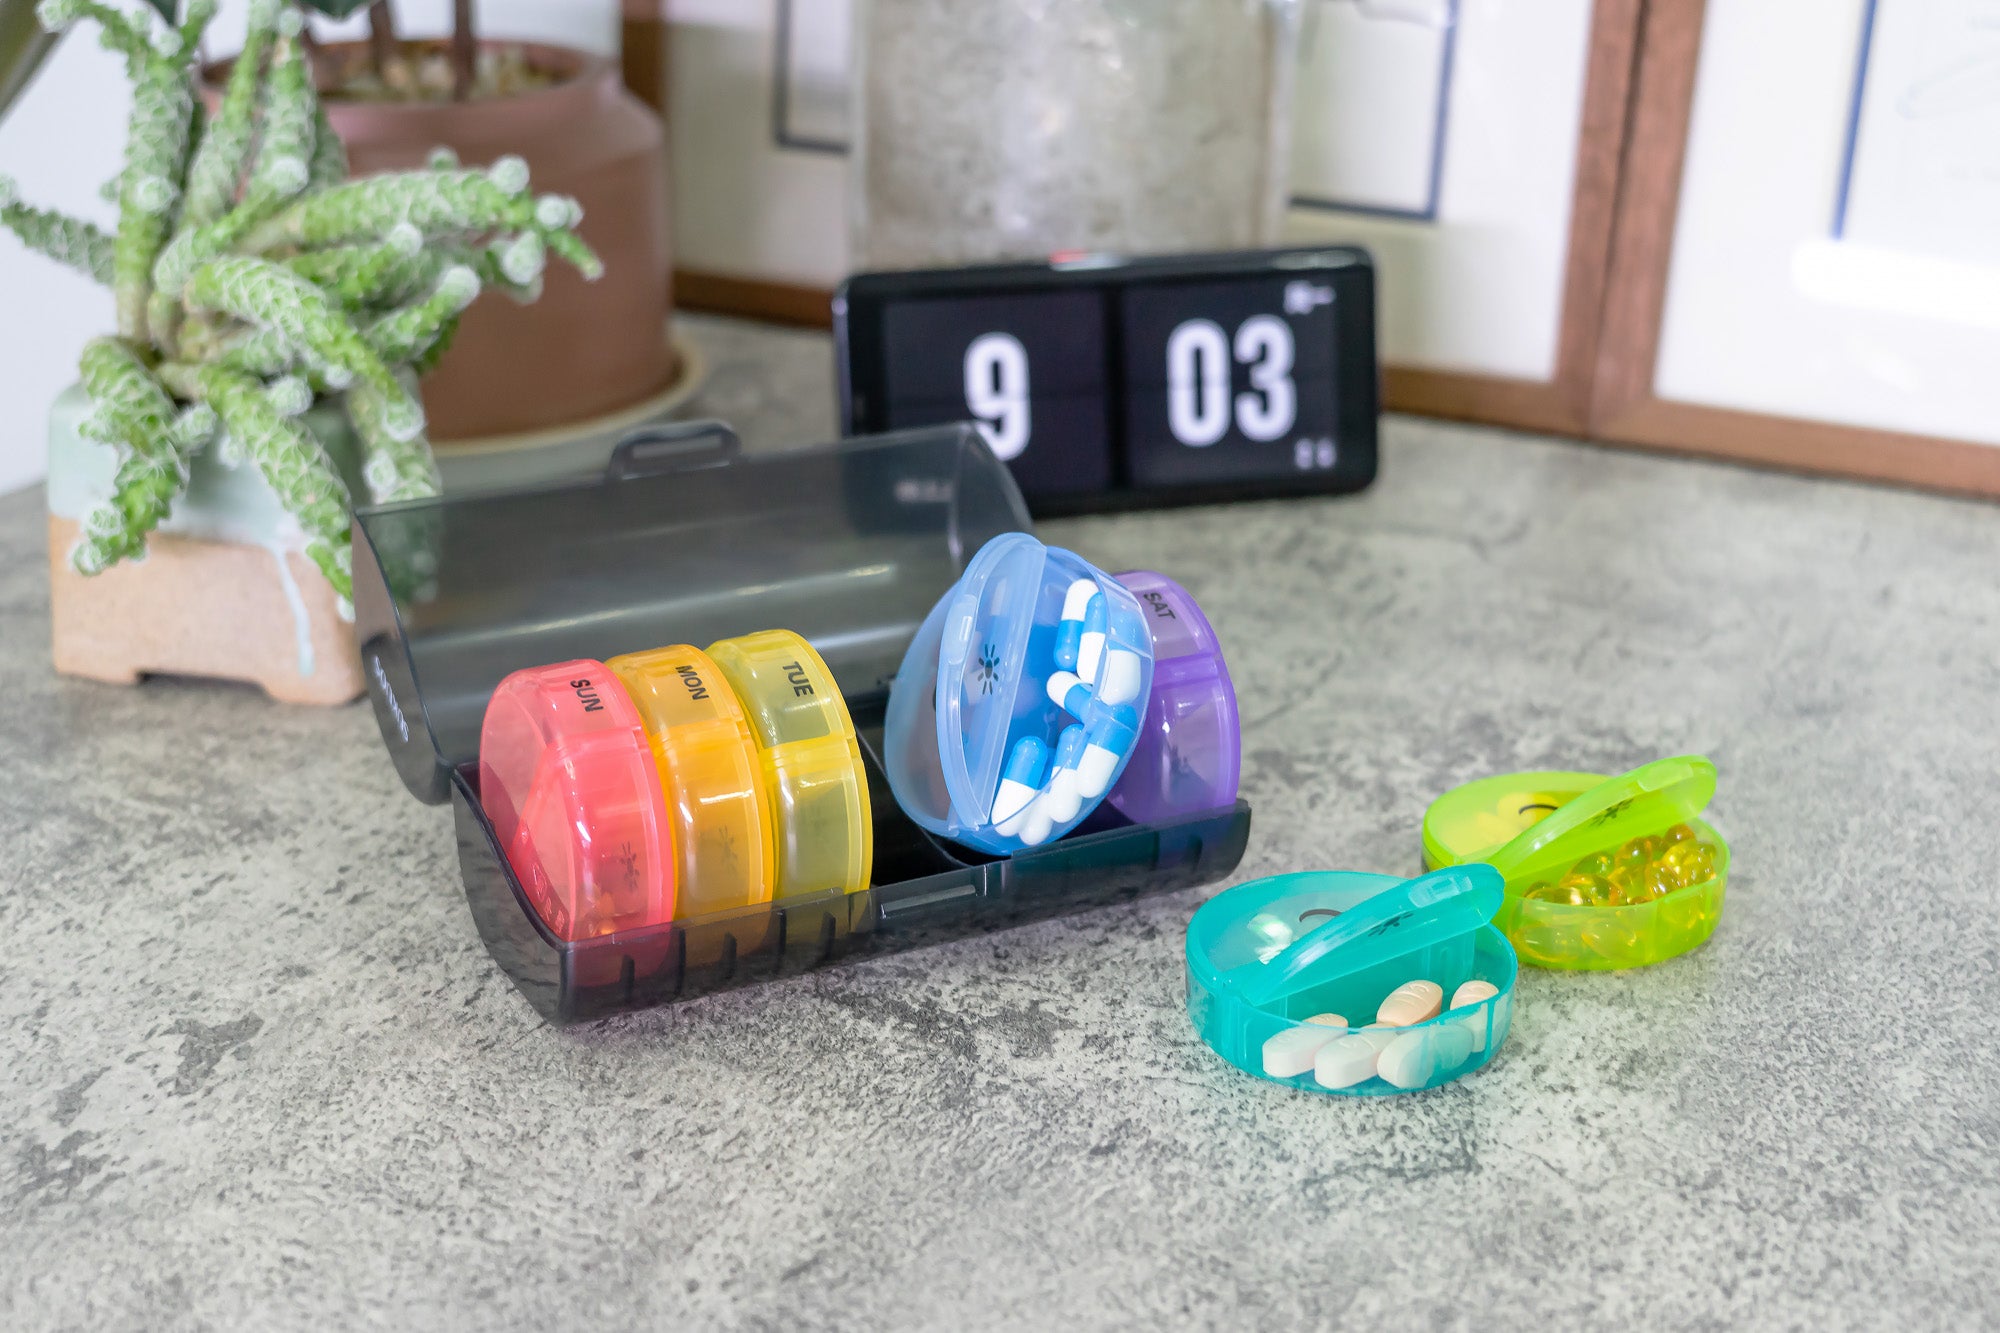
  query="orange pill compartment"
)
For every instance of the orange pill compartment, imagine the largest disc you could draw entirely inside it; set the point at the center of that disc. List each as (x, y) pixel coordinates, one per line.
(709, 776)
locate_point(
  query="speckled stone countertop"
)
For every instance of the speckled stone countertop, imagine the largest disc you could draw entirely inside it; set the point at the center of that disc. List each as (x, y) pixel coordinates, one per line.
(256, 1069)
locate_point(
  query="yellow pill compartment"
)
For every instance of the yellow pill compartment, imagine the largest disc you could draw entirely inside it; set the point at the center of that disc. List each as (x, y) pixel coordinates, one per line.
(1601, 872)
(707, 755)
(809, 762)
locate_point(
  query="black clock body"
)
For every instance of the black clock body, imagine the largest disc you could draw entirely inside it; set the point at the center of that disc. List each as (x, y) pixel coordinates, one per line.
(1107, 382)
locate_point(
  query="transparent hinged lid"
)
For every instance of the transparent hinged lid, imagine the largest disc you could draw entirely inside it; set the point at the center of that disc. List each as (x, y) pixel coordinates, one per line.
(1391, 918)
(1645, 801)
(684, 539)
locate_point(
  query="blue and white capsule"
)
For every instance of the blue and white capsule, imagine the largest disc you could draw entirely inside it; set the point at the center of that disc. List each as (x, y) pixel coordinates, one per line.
(1110, 739)
(1069, 693)
(1119, 683)
(1090, 647)
(1020, 782)
(1069, 631)
(1063, 800)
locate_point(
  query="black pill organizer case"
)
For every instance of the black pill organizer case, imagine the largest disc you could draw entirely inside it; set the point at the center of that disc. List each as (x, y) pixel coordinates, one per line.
(1109, 382)
(685, 539)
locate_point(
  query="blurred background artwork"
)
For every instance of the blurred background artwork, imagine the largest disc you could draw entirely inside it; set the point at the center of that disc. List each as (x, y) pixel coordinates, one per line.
(1441, 133)
(1807, 262)
(1759, 231)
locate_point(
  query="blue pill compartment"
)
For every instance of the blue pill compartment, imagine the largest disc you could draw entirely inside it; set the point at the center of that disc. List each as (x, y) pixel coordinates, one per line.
(975, 682)
(1264, 957)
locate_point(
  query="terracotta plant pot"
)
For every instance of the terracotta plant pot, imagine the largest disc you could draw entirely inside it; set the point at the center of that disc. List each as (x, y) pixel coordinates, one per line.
(585, 349)
(225, 589)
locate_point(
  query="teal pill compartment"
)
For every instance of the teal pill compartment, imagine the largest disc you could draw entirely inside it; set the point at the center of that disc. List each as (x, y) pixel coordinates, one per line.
(1266, 957)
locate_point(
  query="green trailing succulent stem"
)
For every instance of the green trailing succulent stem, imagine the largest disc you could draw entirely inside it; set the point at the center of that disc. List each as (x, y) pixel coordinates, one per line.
(132, 410)
(162, 115)
(250, 276)
(217, 165)
(261, 421)
(442, 203)
(406, 335)
(69, 241)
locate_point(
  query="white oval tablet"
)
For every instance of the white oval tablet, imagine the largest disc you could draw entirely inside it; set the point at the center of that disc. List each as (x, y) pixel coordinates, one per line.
(1293, 1051)
(1472, 992)
(1451, 1046)
(1349, 1060)
(1411, 1003)
(1413, 1059)
(1475, 1026)
(1407, 1061)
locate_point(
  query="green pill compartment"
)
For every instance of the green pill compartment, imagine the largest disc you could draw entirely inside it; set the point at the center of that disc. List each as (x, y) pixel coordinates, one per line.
(1600, 872)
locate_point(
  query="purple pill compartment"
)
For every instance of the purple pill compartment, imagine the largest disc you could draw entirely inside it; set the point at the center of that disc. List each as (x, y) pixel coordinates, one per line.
(1189, 755)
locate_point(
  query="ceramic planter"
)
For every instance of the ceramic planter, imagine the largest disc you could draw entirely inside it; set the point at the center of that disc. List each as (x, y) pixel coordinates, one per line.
(225, 589)
(584, 350)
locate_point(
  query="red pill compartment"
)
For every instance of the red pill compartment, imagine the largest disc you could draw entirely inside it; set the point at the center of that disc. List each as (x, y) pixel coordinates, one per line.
(566, 775)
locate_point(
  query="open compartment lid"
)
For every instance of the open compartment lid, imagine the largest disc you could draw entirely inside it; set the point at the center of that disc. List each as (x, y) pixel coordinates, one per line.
(1648, 799)
(684, 539)
(1378, 917)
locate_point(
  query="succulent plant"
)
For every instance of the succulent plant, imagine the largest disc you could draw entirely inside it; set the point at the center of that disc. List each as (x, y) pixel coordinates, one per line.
(252, 277)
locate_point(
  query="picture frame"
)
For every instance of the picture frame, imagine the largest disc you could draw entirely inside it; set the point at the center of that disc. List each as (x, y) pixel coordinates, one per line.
(1789, 382)
(1532, 366)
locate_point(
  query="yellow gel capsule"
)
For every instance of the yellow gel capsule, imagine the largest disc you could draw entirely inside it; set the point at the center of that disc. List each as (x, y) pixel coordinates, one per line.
(1601, 864)
(1631, 885)
(1638, 851)
(1610, 936)
(1679, 833)
(1663, 879)
(1689, 863)
(1589, 890)
(1564, 894)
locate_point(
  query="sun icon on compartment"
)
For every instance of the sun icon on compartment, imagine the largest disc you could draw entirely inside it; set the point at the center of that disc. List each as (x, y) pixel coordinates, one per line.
(989, 667)
(722, 845)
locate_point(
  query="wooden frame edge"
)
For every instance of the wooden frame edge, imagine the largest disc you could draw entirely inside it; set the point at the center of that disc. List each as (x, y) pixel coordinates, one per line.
(753, 298)
(1624, 408)
(1561, 404)
(642, 51)
(1791, 444)
(1492, 400)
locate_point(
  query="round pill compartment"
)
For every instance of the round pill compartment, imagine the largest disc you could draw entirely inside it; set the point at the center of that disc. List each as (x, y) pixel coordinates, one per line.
(567, 778)
(707, 757)
(1018, 703)
(1189, 754)
(1313, 979)
(808, 759)
(1600, 872)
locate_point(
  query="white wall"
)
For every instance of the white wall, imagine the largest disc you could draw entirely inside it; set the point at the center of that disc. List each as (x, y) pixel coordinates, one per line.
(65, 138)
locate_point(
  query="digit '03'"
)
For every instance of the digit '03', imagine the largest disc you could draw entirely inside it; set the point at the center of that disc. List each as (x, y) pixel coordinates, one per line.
(1198, 403)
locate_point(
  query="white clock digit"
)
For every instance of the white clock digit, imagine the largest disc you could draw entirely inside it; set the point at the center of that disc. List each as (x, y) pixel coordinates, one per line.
(1264, 345)
(1198, 383)
(996, 391)
(1198, 405)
